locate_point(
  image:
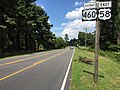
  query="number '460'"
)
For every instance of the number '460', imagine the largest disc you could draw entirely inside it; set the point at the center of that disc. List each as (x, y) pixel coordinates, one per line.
(89, 14)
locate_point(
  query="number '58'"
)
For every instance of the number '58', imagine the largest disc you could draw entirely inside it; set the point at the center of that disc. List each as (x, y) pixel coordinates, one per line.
(104, 13)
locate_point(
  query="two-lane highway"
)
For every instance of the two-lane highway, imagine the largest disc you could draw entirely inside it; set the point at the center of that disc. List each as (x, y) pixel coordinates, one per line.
(40, 71)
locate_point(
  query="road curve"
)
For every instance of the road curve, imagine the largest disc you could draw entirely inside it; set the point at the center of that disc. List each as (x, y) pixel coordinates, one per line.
(40, 71)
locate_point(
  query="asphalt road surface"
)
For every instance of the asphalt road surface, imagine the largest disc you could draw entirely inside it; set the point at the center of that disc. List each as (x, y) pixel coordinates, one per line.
(39, 71)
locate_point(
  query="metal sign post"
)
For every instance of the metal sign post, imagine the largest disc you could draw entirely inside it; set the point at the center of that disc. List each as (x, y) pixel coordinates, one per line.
(97, 11)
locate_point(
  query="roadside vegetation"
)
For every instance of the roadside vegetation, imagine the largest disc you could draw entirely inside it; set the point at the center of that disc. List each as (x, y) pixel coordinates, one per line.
(83, 72)
(115, 56)
(24, 28)
(109, 55)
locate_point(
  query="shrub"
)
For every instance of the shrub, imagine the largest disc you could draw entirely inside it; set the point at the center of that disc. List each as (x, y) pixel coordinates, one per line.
(115, 48)
(110, 54)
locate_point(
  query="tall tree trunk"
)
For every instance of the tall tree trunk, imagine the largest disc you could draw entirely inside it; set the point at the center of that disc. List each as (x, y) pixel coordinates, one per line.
(18, 41)
(32, 44)
(38, 44)
(26, 41)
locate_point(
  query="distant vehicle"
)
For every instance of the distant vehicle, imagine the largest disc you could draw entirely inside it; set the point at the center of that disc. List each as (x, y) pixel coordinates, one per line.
(71, 48)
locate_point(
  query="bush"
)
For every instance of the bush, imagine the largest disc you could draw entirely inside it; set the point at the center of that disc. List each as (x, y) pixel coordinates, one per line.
(117, 57)
(110, 54)
(114, 48)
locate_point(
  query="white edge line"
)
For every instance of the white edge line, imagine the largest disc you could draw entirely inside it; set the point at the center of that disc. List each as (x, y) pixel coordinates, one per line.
(66, 75)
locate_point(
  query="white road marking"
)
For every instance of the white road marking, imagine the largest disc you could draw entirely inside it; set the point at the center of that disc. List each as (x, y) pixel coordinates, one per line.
(66, 75)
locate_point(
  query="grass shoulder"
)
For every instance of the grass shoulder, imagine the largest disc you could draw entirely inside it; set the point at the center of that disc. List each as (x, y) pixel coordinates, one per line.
(83, 74)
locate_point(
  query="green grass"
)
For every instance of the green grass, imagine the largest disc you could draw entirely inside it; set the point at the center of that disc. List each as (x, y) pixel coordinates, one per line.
(82, 74)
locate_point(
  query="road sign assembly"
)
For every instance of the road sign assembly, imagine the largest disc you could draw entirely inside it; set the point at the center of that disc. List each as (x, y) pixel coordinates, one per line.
(97, 11)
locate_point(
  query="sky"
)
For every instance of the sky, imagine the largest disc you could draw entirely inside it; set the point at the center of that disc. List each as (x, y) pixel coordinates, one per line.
(66, 15)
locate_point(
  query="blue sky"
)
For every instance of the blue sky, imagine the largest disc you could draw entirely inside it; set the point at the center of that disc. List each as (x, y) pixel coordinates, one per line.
(65, 15)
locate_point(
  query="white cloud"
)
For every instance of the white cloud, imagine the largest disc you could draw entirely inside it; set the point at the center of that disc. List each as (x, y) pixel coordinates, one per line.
(92, 1)
(78, 3)
(57, 30)
(73, 27)
(63, 24)
(49, 21)
(75, 14)
(75, 23)
(40, 5)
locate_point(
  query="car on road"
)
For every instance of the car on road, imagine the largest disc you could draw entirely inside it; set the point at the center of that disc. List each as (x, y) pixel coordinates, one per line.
(71, 48)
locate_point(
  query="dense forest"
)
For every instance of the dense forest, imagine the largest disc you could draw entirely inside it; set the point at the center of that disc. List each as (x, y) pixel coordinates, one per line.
(24, 27)
(109, 32)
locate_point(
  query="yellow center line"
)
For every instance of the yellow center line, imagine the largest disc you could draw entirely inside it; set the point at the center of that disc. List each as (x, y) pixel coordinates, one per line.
(36, 63)
(16, 61)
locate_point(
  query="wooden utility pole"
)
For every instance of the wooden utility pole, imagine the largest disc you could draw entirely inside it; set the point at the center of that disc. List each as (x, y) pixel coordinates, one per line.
(86, 37)
(97, 35)
(96, 52)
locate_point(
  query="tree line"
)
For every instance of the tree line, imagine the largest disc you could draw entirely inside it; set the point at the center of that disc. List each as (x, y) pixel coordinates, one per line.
(84, 39)
(110, 29)
(24, 26)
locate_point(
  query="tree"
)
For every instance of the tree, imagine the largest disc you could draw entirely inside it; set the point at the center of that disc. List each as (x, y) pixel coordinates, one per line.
(82, 37)
(117, 22)
(7, 13)
(59, 42)
(23, 26)
(66, 39)
(110, 28)
(74, 42)
(3, 38)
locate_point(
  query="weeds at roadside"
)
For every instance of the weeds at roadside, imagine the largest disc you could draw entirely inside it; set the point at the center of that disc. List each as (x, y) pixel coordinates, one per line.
(86, 60)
